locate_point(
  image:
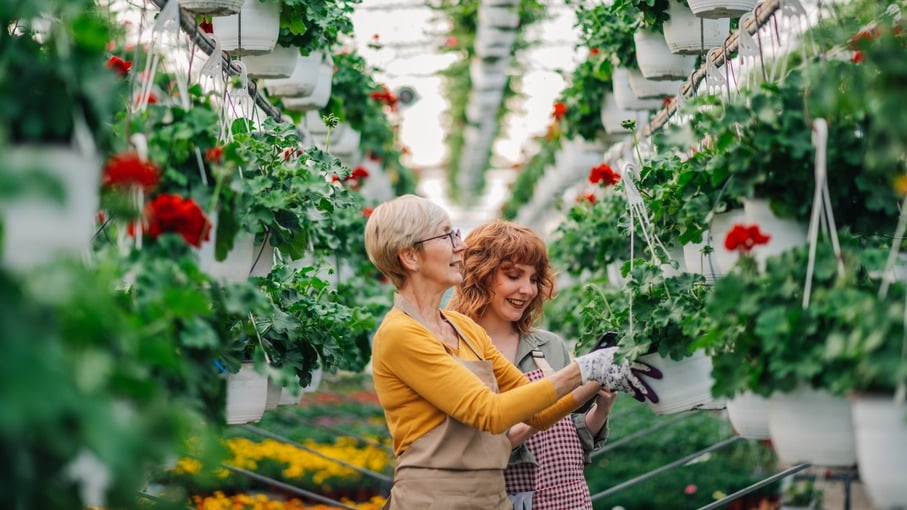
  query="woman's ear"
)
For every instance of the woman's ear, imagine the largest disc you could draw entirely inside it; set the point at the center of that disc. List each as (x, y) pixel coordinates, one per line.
(410, 259)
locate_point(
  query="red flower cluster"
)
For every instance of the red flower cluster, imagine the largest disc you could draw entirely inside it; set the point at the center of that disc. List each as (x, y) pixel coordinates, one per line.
(594, 51)
(206, 25)
(128, 169)
(359, 173)
(119, 65)
(367, 211)
(173, 213)
(603, 174)
(559, 110)
(215, 155)
(744, 237)
(588, 196)
(387, 97)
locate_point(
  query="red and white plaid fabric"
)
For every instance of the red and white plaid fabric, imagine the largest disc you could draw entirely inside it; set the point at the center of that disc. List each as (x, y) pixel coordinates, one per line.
(557, 481)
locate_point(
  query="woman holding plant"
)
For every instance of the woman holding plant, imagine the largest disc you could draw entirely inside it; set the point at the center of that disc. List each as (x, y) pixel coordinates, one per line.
(448, 394)
(507, 281)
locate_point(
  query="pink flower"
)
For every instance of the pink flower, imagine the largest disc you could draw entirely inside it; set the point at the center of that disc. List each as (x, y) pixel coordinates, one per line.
(690, 489)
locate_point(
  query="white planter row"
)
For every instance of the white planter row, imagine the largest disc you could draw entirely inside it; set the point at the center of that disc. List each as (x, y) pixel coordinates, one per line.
(250, 394)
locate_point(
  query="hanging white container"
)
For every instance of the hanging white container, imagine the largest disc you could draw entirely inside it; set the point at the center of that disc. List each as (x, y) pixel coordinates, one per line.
(488, 74)
(212, 7)
(287, 398)
(317, 376)
(655, 60)
(625, 97)
(259, 28)
(612, 116)
(644, 88)
(262, 259)
(715, 9)
(722, 259)
(278, 63)
(686, 384)
(492, 42)
(813, 426)
(273, 395)
(314, 124)
(688, 34)
(748, 414)
(880, 426)
(344, 140)
(37, 229)
(785, 233)
(303, 80)
(247, 395)
(320, 95)
(498, 16)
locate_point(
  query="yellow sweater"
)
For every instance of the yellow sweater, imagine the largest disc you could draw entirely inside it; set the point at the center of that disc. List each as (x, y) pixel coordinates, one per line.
(419, 383)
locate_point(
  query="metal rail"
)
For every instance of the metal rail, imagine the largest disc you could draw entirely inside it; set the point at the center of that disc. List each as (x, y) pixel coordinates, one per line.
(276, 437)
(640, 433)
(758, 485)
(667, 467)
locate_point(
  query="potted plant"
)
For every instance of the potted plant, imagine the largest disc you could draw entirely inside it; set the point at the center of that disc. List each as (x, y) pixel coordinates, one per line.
(657, 319)
(583, 97)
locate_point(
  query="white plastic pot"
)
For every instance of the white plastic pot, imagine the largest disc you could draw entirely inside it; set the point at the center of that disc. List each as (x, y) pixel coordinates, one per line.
(258, 31)
(688, 34)
(656, 61)
(715, 9)
(278, 63)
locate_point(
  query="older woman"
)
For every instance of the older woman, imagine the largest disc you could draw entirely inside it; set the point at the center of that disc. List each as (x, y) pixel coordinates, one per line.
(448, 394)
(507, 281)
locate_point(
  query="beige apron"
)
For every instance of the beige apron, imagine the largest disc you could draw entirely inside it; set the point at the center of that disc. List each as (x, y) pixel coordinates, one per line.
(454, 466)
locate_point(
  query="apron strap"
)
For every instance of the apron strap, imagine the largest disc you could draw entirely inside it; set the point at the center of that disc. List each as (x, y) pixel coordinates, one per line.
(539, 358)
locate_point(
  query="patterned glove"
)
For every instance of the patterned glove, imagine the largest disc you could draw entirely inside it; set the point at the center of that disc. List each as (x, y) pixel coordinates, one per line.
(625, 377)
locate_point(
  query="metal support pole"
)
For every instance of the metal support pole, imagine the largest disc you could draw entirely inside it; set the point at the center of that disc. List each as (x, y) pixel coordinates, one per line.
(288, 487)
(640, 433)
(366, 472)
(679, 462)
(758, 485)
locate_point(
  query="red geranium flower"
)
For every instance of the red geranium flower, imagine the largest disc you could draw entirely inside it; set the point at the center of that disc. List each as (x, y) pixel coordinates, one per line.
(560, 109)
(206, 26)
(173, 213)
(588, 196)
(128, 169)
(744, 238)
(367, 211)
(119, 65)
(359, 173)
(603, 174)
(594, 51)
(214, 155)
(857, 57)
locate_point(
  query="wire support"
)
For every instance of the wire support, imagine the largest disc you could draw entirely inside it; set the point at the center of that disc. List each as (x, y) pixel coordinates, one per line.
(203, 42)
(641, 433)
(667, 467)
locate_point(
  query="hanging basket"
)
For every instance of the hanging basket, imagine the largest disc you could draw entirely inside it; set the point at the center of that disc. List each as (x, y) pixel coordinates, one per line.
(212, 7)
(320, 94)
(686, 385)
(277, 63)
(612, 116)
(785, 233)
(813, 426)
(657, 62)
(247, 395)
(715, 9)
(721, 259)
(258, 29)
(880, 426)
(688, 34)
(658, 90)
(748, 414)
(303, 79)
(37, 229)
(624, 96)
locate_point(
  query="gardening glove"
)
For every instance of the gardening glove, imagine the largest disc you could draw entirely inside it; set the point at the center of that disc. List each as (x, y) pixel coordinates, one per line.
(624, 377)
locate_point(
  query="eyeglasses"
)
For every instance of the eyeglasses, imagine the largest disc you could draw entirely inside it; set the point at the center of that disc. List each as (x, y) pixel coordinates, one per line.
(455, 233)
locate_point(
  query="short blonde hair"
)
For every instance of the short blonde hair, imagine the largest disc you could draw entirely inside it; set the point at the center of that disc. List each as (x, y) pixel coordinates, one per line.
(396, 225)
(492, 247)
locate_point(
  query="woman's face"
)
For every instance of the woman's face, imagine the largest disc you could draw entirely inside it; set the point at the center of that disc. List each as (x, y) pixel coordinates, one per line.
(442, 256)
(513, 287)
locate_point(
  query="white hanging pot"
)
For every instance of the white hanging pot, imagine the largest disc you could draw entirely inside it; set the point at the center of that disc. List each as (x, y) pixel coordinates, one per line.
(748, 413)
(655, 60)
(321, 93)
(880, 426)
(247, 395)
(488, 74)
(722, 260)
(278, 63)
(37, 228)
(686, 384)
(314, 124)
(492, 42)
(813, 426)
(624, 96)
(344, 140)
(785, 233)
(287, 398)
(212, 7)
(235, 266)
(302, 81)
(259, 28)
(687, 34)
(317, 375)
(498, 16)
(613, 115)
(262, 259)
(715, 9)
(273, 395)
(644, 88)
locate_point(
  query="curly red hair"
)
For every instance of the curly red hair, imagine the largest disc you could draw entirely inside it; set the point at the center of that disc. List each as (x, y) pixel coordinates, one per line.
(496, 246)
